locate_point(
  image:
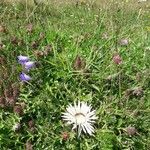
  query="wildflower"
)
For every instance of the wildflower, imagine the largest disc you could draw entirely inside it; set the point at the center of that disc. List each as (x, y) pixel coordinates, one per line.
(22, 59)
(81, 117)
(124, 42)
(24, 77)
(117, 59)
(28, 65)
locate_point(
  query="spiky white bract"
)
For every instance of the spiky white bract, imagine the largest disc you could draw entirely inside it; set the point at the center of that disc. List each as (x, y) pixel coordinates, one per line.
(81, 116)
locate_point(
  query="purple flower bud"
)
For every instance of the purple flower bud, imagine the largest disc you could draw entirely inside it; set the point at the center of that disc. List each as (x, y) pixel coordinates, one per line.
(22, 59)
(28, 65)
(24, 77)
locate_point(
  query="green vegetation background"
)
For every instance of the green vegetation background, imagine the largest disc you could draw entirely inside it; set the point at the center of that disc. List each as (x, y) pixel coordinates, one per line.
(55, 36)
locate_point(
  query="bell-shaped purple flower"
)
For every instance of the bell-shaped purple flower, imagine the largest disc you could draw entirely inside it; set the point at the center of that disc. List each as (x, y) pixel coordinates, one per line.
(22, 59)
(28, 65)
(24, 77)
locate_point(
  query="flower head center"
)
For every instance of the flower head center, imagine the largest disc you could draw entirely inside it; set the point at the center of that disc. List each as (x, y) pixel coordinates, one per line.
(80, 118)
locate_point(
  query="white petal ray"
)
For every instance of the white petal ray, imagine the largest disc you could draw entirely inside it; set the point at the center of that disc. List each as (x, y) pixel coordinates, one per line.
(84, 129)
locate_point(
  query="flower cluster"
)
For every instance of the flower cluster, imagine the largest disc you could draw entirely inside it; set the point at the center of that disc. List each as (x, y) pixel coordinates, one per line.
(27, 65)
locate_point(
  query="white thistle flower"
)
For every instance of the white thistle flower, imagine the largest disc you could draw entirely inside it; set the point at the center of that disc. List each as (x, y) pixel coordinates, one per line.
(81, 117)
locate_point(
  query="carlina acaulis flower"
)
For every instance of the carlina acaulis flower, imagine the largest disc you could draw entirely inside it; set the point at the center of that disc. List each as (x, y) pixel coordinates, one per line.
(81, 116)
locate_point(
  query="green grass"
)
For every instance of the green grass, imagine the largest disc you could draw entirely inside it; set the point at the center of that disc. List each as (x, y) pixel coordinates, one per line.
(111, 89)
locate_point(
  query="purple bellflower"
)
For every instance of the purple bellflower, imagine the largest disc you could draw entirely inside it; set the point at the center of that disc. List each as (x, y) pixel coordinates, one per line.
(22, 59)
(24, 77)
(28, 65)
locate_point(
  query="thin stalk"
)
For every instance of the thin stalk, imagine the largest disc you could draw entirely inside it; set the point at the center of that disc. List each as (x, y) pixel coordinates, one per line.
(78, 138)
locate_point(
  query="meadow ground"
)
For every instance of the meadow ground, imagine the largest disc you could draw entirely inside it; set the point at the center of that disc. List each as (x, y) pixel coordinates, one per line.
(87, 51)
